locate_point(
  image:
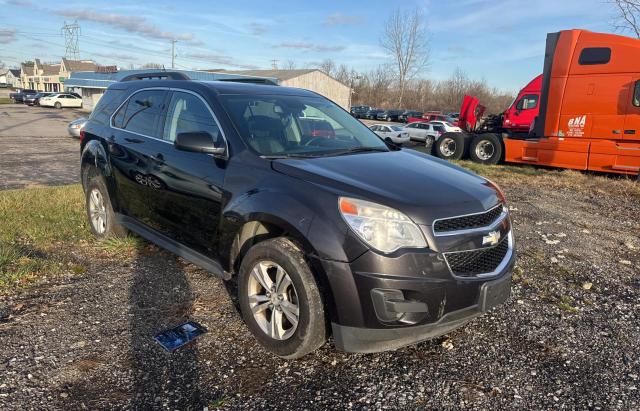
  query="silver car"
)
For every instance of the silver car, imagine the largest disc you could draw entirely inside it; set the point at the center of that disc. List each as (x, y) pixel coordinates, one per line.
(395, 133)
(76, 126)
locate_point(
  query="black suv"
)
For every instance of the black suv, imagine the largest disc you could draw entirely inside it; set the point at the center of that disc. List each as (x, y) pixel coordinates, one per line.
(338, 232)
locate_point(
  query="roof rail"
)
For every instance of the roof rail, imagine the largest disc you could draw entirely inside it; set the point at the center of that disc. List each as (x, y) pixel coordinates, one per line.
(157, 75)
(254, 80)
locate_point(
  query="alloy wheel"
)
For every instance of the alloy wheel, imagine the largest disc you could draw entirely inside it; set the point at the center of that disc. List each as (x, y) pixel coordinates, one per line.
(448, 146)
(485, 150)
(273, 300)
(97, 211)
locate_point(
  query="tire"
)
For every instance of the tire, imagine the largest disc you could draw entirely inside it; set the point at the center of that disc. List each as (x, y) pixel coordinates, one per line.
(100, 215)
(486, 149)
(288, 340)
(428, 144)
(57, 105)
(452, 146)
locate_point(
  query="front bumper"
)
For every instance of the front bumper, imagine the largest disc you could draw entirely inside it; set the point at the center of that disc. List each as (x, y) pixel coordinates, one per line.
(357, 339)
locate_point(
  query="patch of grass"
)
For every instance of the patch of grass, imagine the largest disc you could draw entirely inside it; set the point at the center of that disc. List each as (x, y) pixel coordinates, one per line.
(37, 228)
(217, 403)
(5, 100)
(565, 304)
(125, 246)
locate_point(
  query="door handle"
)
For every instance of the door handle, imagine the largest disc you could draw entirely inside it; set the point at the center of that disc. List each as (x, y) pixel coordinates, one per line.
(629, 132)
(617, 132)
(133, 140)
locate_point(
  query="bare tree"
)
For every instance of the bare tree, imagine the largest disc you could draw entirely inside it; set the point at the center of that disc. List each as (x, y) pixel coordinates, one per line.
(328, 66)
(628, 15)
(290, 65)
(405, 38)
(152, 66)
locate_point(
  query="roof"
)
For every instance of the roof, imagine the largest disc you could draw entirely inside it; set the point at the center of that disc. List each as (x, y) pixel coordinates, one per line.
(279, 74)
(49, 69)
(27, 68)
(79, 65)
(15, 72)
(91, 79)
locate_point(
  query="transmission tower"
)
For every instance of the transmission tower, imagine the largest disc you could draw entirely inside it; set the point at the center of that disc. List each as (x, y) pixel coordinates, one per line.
(71, 33)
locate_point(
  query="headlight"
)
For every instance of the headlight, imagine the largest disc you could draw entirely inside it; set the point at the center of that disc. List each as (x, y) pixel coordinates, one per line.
(383, 228)
(498, 190)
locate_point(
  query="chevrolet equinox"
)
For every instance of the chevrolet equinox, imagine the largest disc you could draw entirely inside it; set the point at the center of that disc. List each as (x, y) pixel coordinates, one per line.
(326, 233)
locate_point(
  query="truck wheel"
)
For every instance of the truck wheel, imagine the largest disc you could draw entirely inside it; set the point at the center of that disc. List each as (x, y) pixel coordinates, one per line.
(451, 146)
(428, 144)
(486, 149)
(99, 211)
(280, 300)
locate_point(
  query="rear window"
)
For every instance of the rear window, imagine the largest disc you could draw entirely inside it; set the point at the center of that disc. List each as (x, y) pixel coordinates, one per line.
(594, 55)
(106, 106)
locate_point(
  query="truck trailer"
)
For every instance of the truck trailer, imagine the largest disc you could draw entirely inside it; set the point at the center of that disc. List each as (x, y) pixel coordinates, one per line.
(588, 111)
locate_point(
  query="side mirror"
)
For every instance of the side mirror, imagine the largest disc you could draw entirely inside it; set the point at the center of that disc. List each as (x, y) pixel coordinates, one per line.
(198, 142)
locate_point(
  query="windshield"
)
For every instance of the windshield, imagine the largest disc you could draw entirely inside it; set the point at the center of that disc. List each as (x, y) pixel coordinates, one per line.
(396, 128)
(274, 125)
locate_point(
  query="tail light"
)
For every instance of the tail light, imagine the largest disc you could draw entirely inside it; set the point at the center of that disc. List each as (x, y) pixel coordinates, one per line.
(81, 136)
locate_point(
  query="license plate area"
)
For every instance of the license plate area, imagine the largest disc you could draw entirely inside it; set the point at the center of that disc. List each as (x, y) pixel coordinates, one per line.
(494, 293)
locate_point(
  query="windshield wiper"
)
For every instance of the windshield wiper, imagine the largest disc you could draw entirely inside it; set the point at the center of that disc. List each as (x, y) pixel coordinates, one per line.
(281, 156)
(357, 150)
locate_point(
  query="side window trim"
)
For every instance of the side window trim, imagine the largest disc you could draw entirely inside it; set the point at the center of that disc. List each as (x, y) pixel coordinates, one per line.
(169, 91)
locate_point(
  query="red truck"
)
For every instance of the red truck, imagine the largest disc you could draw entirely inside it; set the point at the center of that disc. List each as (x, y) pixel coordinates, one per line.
(588, 111)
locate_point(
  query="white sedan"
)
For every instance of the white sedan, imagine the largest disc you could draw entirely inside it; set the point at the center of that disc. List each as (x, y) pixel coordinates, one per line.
(397, 134)
(61, 100)
(448, 127)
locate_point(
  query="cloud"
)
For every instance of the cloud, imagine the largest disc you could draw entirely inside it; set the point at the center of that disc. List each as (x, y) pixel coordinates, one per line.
(131, 24)
(257, 29)
(303, 45)
(115, 56)
(339, 19)
(7, 35)
(221, 59)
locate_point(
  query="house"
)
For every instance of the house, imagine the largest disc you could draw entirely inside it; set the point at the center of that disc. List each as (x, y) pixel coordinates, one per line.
(46, 76)
(27, 80)
(310, 79)
(10, 77)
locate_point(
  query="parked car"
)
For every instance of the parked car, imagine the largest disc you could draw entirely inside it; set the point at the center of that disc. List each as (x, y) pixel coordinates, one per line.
(359, 111)
(4, 85)
(60, 100)
(34, 99)
(389, 115)
(403, 118)
(434, 117)
(373, 113)
(18, 97)
(448, 126)
(454, 116)
(397, 134)
(422, 131)
(76, 126)
(352, 232)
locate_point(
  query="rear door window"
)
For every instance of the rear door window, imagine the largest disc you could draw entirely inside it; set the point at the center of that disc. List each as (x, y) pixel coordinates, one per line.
(187, 113)
(143, 112)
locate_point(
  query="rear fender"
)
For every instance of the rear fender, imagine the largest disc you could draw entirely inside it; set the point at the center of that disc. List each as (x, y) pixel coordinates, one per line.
(94, 158)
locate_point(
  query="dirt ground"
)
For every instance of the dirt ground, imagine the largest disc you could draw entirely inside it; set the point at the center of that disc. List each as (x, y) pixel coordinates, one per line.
(568, 338)
(35, 148)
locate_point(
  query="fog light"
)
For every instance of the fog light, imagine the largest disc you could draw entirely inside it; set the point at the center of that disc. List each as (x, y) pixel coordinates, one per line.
(391, 306)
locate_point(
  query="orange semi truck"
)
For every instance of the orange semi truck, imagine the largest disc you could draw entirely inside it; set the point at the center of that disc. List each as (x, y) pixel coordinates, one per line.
(589, 110)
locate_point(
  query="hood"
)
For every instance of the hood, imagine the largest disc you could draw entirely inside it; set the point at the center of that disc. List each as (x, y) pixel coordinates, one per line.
(423, 187)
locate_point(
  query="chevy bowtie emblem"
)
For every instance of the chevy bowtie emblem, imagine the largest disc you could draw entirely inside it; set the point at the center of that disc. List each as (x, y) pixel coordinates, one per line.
(491, 239)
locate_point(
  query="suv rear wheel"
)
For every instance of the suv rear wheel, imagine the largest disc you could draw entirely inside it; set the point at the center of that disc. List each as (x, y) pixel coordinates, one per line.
(280, 300)
(99, 211)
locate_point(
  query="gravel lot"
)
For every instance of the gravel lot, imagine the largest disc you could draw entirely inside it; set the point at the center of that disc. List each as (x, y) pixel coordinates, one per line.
(568, 338)
(35, 148)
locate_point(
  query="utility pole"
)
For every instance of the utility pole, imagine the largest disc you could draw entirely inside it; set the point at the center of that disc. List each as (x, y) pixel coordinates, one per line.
(71, 33)
(173, 53)
(274, 64)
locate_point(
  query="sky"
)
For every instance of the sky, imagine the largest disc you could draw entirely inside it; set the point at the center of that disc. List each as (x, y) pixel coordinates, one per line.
(500, 41)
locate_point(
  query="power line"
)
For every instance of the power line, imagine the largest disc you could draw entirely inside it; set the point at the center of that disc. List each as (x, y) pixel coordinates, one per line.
(173, 53)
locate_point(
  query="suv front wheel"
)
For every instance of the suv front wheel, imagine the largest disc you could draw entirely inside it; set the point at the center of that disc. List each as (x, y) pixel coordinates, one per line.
(280, 300)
